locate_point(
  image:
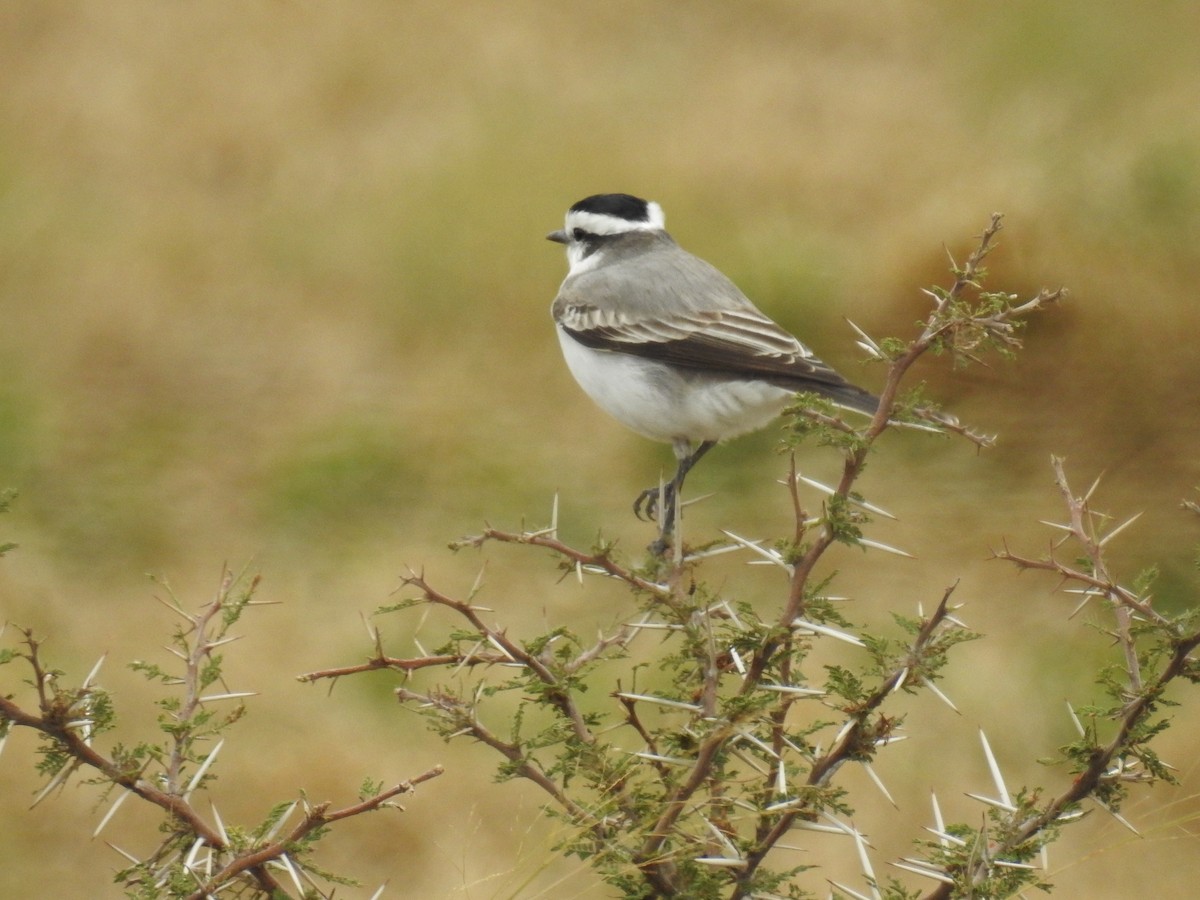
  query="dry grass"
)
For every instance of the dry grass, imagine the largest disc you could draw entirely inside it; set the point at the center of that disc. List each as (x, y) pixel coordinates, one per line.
(272, 284)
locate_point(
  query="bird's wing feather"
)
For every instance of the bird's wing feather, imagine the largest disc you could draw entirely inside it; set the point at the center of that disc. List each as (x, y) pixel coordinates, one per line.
(689, 315)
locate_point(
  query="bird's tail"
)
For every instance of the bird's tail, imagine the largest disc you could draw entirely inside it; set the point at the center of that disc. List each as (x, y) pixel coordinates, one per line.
(849, 396)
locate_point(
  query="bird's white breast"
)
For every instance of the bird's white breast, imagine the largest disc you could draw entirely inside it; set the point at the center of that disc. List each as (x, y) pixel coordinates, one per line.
(669, 405)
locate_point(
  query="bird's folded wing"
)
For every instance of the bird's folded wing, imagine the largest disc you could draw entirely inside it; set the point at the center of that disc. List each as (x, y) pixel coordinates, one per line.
(735, 343)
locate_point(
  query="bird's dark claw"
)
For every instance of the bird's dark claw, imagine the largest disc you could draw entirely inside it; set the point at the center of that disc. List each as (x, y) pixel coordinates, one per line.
(645, 507)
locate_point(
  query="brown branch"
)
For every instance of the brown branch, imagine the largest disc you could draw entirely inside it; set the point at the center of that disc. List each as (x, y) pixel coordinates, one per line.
(675, 804)
(317, 817)
(856, 741)
(1140, 700)
(620, 638)
(540, 539)
(406, 665)
(559, 696)
(1086, 783)
(52, 722)
(512, 752)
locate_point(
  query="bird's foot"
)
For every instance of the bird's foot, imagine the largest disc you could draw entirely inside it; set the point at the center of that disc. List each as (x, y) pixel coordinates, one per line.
(645, 507)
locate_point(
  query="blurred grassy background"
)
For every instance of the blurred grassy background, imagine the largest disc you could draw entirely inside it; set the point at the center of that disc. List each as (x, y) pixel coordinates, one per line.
(273, 288)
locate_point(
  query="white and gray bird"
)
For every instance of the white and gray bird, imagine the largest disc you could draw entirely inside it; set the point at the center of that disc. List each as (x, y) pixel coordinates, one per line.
(668, 346)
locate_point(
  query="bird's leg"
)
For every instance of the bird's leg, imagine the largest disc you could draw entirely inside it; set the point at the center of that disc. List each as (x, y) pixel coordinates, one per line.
(648, 500)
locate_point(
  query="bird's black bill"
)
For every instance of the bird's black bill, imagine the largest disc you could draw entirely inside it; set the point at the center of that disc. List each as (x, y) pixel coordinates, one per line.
(559, 237)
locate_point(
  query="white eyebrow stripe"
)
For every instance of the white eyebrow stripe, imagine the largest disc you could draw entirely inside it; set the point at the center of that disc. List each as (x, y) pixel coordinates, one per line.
(600, 223)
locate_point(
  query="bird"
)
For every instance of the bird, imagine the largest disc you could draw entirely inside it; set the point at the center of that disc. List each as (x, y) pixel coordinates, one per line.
(669, 346)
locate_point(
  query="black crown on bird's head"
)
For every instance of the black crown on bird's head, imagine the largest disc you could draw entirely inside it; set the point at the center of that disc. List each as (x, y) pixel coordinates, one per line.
(602, 215)
(621, 206)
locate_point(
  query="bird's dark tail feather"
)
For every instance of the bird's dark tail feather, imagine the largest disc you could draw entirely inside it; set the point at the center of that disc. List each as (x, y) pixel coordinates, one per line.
(852, 397)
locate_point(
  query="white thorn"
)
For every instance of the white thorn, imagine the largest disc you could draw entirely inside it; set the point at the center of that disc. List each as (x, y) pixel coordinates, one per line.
(720, 861)
(792, 689)
(843, 731)
(112, 811)
(829, 492)
(865, 861)
(661, 701)
(886, 548)
(283, 817)
(235, 695)
(805, 825)
(853, 893)
(1008, 864)
(874, 776)
(129, 856)
(1087, 595)
(806, 625)
(723, 838)
(938, 822)
(54, 782)
(749, 761)
(747, 736)
(871, 352)
(669, 760)
(770, 555)
(466, 658)
(945, 838)
(87, 682)
(1116, 815)
(937, 692)
(477, 584)
(220, 824)
(955, 620)
(208, 761)
(1067, 528)
(737, 661)
(372, 633)
(866, 340)
(286, 862)
(191, 854)
(917, 868)
(845, 827)
(715, 551)
(1112, 534)
(701, 498)
(1075, 718)
(997, 778)
(999, 804)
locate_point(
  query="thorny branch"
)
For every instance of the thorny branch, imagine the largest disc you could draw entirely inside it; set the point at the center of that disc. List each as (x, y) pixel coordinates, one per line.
(315, 818)
(68, 720)
(691, 783)
(1105, 764)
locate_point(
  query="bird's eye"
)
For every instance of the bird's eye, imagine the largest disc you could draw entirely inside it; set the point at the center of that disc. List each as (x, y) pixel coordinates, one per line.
(578, 233)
